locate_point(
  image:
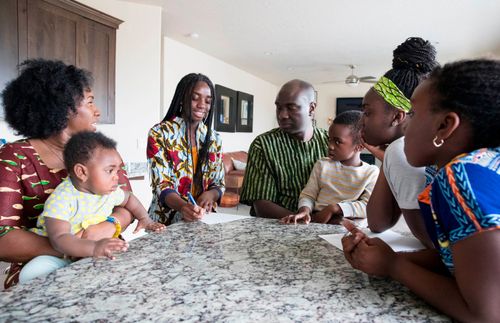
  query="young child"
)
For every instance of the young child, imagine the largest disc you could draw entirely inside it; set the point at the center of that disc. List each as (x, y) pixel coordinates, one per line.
(458, 108)
(85, 199)
(340, 184)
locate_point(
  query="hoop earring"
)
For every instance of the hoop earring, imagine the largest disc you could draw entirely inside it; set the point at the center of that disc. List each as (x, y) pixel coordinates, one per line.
(437, 145)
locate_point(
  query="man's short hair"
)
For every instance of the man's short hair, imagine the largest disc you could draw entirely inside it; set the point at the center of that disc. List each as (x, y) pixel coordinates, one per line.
(351, 118)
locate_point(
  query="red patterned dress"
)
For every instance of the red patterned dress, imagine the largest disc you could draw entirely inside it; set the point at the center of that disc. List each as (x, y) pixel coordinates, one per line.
(25, 184)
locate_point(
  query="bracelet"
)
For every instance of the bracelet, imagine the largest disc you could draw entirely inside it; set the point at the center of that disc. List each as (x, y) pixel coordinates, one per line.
(118, 226)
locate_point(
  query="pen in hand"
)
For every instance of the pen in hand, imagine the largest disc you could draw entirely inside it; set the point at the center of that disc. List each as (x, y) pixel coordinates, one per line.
(191, 199)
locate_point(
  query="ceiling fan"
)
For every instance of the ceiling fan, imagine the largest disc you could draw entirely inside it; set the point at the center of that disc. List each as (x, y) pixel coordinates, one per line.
(353, 80)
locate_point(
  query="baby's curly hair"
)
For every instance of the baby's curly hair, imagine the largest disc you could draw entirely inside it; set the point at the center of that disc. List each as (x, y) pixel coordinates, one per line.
(39, 102)
(81, 147)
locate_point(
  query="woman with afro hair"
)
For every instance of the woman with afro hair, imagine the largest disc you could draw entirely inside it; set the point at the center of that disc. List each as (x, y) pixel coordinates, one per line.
(46, 104)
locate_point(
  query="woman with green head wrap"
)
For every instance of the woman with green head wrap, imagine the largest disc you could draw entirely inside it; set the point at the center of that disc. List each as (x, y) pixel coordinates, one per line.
(386, 110)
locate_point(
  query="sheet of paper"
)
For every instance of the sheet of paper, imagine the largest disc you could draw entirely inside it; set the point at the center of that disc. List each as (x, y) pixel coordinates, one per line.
(397, 241)
(128, 234)
(214, 218)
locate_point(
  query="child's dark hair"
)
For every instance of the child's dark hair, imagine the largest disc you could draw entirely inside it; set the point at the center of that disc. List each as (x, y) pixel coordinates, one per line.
(39, 102)
(351, 118)
(81, 147)
(412, 62)
(471, 88)
(182, 100)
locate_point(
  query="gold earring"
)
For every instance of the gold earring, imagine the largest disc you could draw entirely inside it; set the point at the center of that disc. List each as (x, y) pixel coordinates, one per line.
(436, 144)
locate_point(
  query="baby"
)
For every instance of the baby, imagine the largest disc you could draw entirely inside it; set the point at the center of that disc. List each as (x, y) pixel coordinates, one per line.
(86, 198)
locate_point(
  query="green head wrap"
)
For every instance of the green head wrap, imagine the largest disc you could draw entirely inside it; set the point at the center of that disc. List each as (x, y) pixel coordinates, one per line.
(392, 95)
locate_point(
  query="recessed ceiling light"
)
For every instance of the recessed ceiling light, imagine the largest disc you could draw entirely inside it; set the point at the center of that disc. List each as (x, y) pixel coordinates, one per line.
(268, 53)
(194, 35)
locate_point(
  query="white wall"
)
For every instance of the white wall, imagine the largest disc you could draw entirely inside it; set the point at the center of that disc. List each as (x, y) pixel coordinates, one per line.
(180, 60)
(327, 99)
(138, 85)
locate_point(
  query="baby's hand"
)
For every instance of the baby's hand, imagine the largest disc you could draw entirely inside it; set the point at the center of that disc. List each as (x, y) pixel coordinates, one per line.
(299, 217)
(149, 225)
(106, 248)
(155, 227)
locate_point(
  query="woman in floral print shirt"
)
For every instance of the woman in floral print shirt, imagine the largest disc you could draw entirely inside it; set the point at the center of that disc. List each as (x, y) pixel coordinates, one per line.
(47, 103)
(185, 155)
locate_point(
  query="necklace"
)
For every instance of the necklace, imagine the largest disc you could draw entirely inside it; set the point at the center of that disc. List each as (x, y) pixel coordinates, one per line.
(58, 155)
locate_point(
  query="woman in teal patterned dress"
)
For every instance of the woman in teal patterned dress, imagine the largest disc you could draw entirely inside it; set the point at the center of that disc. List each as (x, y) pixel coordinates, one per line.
(459, 107)
(47, 103)
(185, 154)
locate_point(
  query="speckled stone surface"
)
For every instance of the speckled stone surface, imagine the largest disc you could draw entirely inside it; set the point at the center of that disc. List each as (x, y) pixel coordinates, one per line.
(254, 270)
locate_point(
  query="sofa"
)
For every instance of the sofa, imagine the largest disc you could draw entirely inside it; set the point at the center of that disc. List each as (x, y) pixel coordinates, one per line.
(234, 168)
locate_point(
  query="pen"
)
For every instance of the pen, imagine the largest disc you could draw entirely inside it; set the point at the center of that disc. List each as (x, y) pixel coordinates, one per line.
(191, 199)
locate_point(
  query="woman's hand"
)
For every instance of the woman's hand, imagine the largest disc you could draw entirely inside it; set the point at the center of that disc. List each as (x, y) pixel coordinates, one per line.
(207, 199)
(374, 257)
(370, 255)
(106, 248)
(191, 213)
(299, 217)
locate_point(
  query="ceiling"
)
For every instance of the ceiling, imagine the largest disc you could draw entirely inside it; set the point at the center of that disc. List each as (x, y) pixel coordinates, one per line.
(315, 40)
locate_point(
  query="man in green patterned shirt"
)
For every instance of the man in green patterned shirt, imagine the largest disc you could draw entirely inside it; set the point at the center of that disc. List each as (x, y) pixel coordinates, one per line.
(280, 160)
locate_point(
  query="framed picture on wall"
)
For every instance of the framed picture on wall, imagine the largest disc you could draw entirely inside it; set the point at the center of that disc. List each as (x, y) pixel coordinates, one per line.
(225, 109)
(346, 104)
(244, 112)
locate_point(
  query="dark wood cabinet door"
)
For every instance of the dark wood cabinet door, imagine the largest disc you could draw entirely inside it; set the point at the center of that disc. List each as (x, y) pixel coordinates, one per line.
(65, 30)
(9, 49)
(97, 54)
(51, 32)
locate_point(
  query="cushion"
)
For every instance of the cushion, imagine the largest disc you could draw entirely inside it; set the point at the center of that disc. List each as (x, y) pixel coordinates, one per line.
(230, 199)
(239, 165)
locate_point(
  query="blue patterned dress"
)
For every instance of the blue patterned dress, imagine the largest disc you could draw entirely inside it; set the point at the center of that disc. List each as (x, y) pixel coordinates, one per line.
(463, 200)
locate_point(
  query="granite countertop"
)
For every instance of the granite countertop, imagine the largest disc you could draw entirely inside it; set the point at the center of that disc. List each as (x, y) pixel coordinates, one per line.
(243, 271)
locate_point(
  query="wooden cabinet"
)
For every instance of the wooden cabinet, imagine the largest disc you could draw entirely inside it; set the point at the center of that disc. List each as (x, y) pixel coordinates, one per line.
(64, 30)
(9, 49)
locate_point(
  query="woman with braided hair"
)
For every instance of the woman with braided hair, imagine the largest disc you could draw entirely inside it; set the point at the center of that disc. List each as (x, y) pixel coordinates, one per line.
(459, 106)
(386, 112)
(185, 155)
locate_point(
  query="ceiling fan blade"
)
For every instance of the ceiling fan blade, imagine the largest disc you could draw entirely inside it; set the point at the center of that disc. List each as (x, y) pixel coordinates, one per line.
(366, 78)
(330, 82)
(368, 81)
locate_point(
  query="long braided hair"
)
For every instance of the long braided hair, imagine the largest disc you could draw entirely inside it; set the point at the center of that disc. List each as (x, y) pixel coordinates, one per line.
(412, 62)
(181, 107)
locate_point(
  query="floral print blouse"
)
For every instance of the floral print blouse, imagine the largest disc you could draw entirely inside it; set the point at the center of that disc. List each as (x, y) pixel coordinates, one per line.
(171, 165)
